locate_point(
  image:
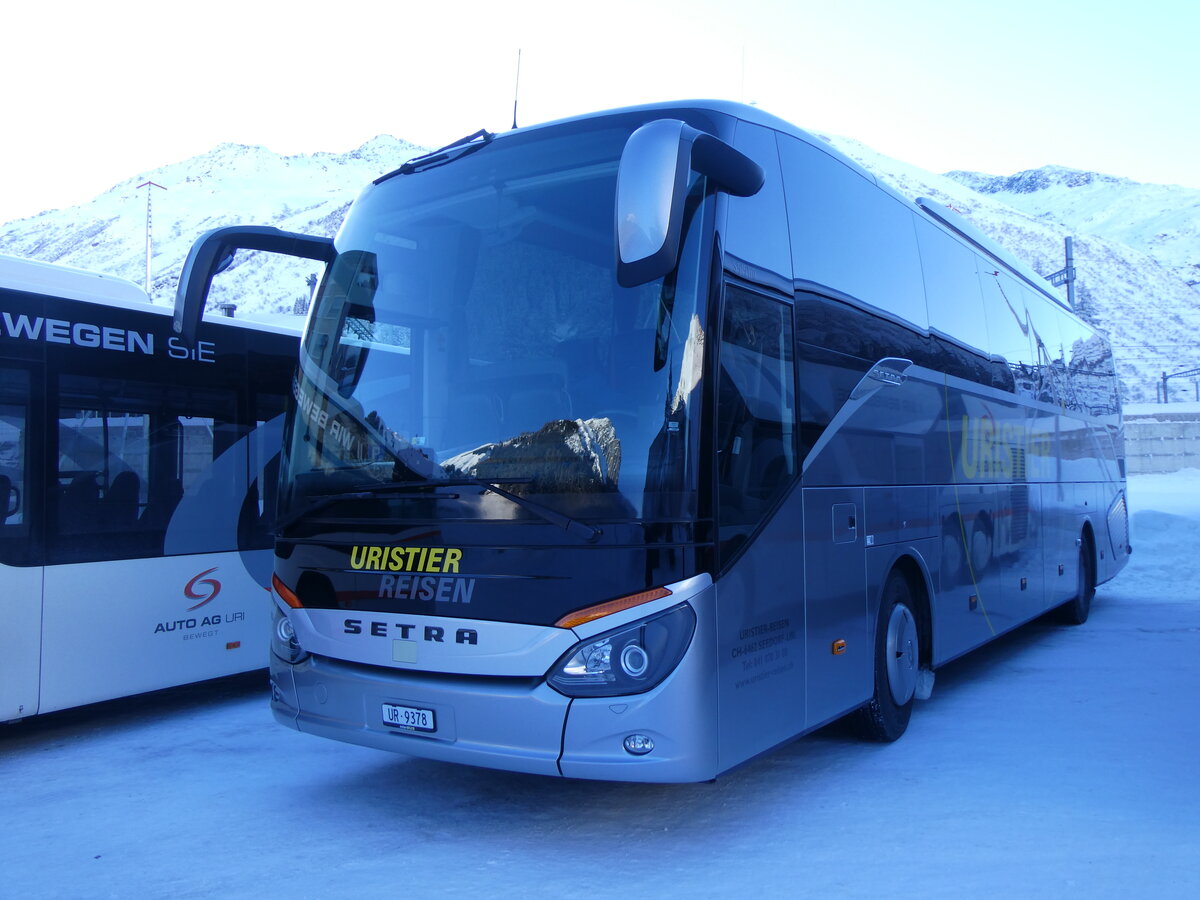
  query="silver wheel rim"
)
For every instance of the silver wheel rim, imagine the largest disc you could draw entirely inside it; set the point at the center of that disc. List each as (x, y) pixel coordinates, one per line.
(902, 652)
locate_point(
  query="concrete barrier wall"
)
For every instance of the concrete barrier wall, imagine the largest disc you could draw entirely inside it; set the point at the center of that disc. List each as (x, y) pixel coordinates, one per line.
(1164, 441)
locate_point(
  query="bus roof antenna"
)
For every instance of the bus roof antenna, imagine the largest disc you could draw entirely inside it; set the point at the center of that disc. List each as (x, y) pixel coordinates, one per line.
(517, 89)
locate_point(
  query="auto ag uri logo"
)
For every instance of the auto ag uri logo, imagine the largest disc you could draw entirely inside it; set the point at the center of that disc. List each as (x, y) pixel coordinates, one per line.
(207, 593)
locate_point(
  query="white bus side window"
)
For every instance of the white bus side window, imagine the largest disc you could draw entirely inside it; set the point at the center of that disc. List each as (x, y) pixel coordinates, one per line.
(126, 458)
(14, 489)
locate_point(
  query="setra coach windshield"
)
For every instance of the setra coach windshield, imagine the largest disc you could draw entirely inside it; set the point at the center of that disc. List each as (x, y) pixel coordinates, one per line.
(474, 378)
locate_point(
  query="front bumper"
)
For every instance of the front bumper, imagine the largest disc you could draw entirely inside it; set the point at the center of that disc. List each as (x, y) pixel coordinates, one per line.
(514, 723)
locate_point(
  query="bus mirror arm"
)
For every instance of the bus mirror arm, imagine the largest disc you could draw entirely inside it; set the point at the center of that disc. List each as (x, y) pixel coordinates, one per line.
(733, 171)
(652, 183)
(213, 253)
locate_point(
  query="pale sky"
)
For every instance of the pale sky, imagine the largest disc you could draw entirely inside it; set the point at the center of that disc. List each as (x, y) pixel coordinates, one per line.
(98, 92)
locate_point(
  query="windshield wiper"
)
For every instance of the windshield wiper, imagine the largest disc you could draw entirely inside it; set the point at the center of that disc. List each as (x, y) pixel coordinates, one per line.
(451, 152)
(415, 489)
(582, 530)
(370, 491)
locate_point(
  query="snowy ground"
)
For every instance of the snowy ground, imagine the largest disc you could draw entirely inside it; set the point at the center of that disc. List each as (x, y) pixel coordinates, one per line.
(1058, 762)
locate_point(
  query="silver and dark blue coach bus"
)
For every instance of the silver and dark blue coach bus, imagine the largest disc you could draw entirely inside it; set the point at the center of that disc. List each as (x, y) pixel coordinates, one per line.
(633, 445)
(137, 487)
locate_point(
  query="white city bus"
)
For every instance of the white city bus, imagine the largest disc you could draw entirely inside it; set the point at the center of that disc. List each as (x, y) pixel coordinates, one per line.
(137, 490)
(631, 446)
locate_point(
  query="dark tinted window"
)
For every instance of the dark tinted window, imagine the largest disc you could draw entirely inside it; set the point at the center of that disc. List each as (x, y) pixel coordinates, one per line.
(1047, 340)
(756, 419)
(952, 287)
(757, 247)
(1008, 328)
(849, 235)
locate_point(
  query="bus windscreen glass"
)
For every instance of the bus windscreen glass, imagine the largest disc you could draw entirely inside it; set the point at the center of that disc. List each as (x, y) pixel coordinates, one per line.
(471, 329)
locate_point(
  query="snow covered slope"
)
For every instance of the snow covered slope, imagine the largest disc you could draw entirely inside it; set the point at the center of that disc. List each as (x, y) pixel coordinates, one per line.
(1162, 220)
(1133, 242)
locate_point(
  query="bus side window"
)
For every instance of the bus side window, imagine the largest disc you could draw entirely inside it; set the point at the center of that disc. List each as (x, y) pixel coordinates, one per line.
(756, 418)
(102, 468)
(952, 288)
(14, 489)
(128, 453)
(849, 236)
(1008, 329)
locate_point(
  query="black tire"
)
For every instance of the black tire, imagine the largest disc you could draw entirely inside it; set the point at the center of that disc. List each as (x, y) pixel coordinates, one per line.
(897, 665)
(1076, 610)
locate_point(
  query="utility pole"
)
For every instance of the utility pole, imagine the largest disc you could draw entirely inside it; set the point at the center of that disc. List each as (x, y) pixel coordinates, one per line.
(149, 186)
(1187, 373)
(1067, 275)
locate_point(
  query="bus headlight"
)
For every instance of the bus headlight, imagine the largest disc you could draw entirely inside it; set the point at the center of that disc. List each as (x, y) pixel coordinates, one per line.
(283, 639)
(631, 659)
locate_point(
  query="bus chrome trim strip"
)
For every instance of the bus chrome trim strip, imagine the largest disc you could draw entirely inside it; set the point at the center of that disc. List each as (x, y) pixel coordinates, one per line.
(431, 643)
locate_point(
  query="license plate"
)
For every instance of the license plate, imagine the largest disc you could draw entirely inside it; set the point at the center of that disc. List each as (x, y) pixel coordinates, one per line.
(409, 718)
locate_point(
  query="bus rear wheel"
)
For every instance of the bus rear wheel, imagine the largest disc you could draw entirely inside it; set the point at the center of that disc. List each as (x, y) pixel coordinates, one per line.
(1076, 610)
(897, 665)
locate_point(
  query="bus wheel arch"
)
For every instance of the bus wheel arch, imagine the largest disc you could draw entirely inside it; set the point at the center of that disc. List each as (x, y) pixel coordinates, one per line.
(921, 584)
(901, 654)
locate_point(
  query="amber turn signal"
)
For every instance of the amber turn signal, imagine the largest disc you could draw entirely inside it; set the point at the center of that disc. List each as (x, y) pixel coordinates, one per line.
(288, 595)
(600, 610)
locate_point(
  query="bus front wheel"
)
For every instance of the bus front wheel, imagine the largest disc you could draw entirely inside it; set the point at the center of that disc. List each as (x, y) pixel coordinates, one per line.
(897, 665)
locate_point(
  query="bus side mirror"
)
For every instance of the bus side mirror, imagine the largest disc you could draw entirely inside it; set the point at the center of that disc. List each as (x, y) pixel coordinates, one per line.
(213, 253)
(651, 187)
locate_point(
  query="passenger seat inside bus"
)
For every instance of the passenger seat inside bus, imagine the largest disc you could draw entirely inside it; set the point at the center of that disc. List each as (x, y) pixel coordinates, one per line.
(78, 503)
(120, 505)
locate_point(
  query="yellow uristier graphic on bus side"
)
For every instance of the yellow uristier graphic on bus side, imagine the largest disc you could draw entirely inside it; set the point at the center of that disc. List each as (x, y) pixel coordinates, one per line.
(994, 450)
(431, 573)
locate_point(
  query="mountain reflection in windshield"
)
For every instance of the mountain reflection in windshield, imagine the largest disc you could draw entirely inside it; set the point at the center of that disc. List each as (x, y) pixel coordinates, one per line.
(561, 457)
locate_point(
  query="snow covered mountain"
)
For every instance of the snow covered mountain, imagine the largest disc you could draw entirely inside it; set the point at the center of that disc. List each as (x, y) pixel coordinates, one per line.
(1162, 220)
(232, 184)
(1136, 246)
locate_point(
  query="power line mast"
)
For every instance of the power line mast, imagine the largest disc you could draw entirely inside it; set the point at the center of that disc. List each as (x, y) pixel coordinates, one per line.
(149, 186)
(1067, 275)
(1187, 373)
